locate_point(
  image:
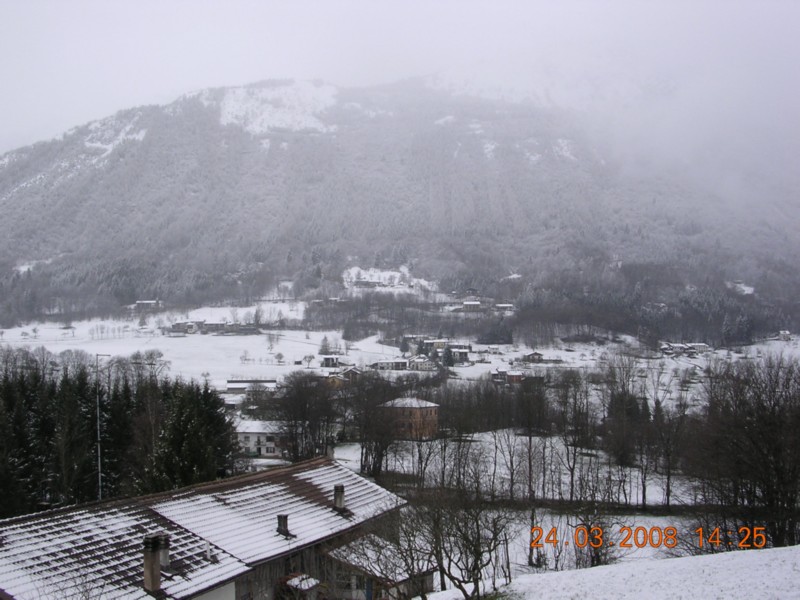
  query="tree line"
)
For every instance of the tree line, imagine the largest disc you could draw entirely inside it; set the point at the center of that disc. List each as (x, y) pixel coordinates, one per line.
(156, 433)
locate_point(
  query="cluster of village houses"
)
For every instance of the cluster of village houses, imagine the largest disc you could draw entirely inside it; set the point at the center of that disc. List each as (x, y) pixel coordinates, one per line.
(411, 418)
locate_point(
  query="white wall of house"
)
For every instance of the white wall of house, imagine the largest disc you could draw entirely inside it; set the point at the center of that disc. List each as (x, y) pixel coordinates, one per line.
(251, 442)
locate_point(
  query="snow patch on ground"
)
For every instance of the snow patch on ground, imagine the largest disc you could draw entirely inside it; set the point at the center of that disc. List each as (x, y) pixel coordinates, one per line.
(265, 144)
(108, 134)
(384, 280)
(489, 148)
(564, 148)
(475, 127)
(28, 265)
(533, 158)
(740, 288)
(32, 181)
(264, 108)
(772, 573)
(445, 120)
(370, 113)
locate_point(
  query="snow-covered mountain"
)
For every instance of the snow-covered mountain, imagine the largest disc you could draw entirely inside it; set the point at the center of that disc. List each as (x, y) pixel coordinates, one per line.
(225, 189)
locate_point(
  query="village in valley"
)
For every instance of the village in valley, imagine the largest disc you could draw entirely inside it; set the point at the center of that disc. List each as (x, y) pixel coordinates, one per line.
(576, 433)
(399, 300)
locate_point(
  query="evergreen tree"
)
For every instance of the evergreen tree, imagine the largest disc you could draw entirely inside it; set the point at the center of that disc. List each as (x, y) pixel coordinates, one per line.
(325, 347)
(197, 442)
(447, 357)
(118, 440)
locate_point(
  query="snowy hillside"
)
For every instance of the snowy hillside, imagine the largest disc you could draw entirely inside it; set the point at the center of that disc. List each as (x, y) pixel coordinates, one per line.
(772, 574)
(259, 109)
(292, 178)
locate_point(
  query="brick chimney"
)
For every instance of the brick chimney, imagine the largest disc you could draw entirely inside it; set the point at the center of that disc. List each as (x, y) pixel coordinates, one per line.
(152, 563)
(338, 498)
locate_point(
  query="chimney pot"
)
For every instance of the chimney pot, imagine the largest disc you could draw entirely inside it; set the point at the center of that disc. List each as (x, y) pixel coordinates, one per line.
(163, 551)
(152, 566)
(338, 497)
(283, 524)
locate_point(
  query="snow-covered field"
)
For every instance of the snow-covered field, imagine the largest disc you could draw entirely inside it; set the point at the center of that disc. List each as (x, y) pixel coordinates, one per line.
(219, 357)
(773, 574)
(195, 356)
(765, 574)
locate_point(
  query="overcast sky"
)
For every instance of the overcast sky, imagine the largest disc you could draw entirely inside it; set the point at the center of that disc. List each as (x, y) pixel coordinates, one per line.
(735, 64)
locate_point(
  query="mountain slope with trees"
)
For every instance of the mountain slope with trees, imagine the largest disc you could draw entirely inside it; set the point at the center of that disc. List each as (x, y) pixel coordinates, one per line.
(221, 192)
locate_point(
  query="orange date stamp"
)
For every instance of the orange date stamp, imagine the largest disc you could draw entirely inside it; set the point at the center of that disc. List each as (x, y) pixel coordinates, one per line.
(595, 537)
(648, 537)
(744, 537)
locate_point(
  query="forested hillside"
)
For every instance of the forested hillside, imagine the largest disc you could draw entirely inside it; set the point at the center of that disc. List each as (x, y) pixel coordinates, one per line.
(223, 191)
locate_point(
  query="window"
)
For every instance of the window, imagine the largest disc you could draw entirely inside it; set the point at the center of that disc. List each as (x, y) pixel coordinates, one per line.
(247, 438)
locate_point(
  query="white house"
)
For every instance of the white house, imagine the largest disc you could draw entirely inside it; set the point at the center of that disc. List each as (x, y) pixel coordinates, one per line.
(259, 438)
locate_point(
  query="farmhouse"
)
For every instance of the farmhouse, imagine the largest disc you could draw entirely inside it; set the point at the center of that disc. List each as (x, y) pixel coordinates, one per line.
(471, 306)
(259, 438)
(534, 357)
(255, 536)
(460, 355)
(430, 345)
(329, 361)
(420, 362)
(412, 418)
(147, 306)
(390, 364)
(246, 386)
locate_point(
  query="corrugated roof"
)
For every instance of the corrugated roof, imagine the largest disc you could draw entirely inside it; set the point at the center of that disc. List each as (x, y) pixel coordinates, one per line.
(97, 551)
(97, 548)
(241, 522)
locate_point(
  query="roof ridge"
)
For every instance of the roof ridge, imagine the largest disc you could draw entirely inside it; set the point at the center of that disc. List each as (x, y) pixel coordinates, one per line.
(147, 500)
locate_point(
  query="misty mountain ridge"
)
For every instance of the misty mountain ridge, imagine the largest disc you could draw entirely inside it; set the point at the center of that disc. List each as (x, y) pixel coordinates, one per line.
(233, 187)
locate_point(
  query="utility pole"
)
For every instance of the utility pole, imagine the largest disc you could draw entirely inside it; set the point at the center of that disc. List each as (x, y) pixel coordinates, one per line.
(99, 452)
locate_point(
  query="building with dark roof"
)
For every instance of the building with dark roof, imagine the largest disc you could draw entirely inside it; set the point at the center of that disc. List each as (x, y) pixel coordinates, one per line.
(242, 537)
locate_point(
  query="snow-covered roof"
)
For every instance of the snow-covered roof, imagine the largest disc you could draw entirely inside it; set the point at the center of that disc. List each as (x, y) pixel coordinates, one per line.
(421, 358)
(242, 519)
(59, 553)
(65, 554)
(409, 403)
(253, 426)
